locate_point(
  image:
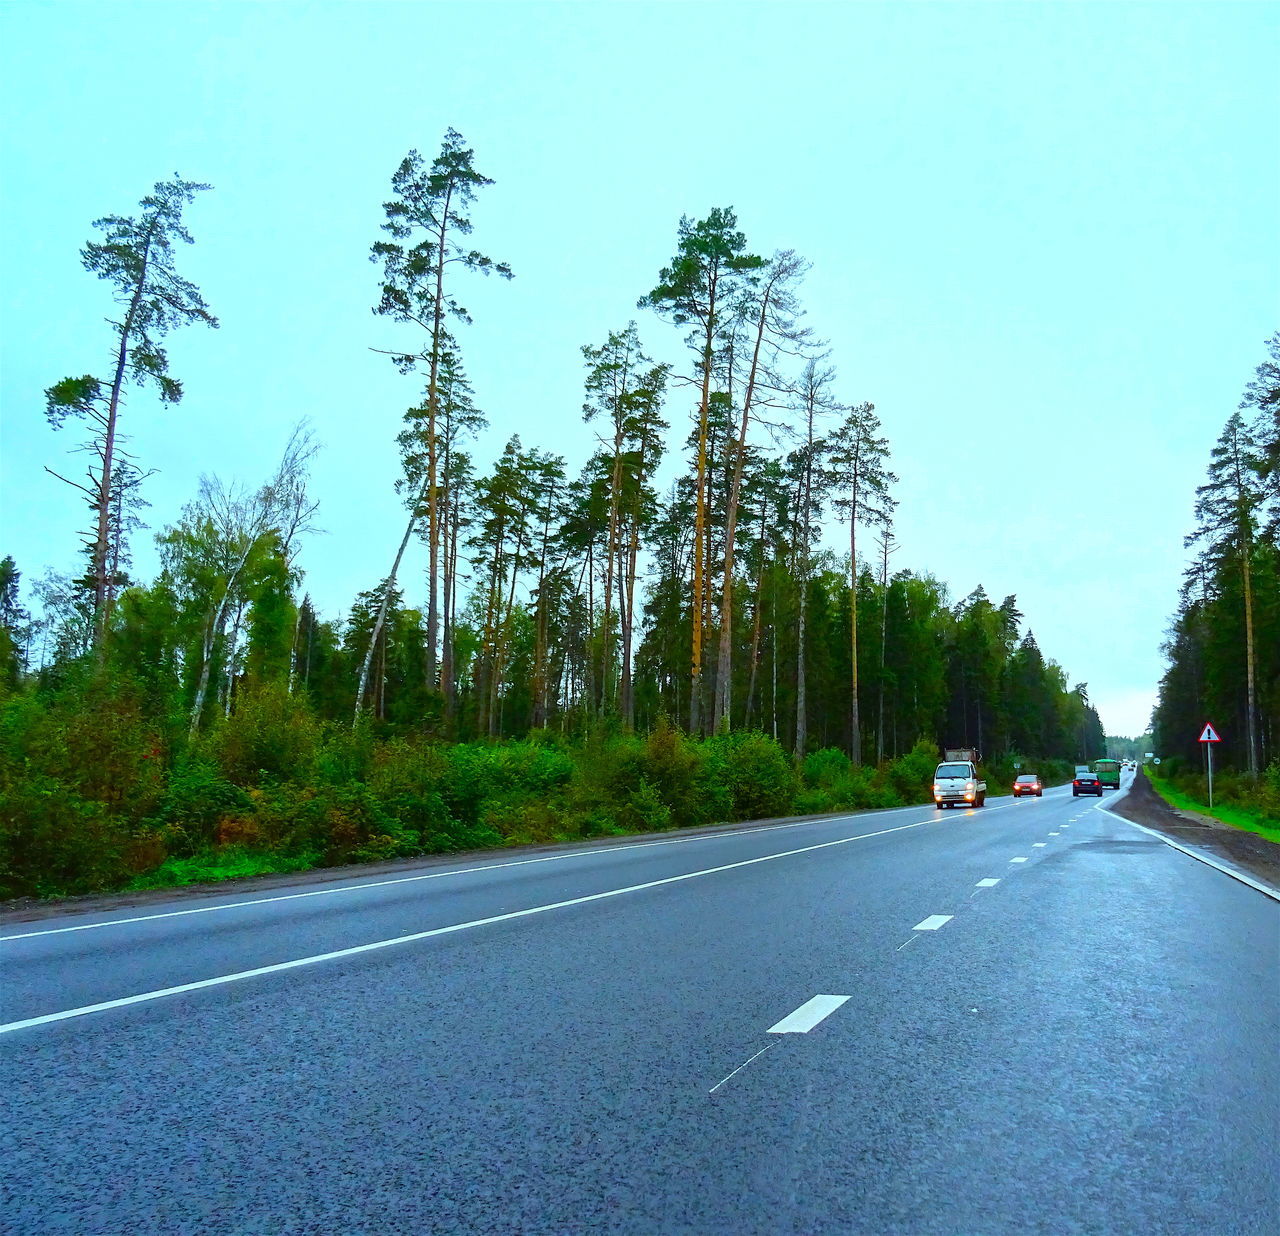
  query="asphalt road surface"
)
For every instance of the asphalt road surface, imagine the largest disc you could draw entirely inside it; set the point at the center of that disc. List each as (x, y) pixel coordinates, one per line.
(1032, 1017)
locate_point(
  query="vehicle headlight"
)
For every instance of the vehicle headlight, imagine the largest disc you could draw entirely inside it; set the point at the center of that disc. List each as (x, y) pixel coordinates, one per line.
(968, 785)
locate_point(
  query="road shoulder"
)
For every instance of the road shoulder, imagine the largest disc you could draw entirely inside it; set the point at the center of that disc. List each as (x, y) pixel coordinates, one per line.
(1229, 847)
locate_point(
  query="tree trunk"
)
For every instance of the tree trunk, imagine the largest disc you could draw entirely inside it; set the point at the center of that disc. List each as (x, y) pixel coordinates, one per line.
(855, 742)
(884, 639)
(504, 636)
(382, 609)
(724, 668)
(756, 623)
(216, 628)
(103, 504)
(1251, 697)
(447, 534)
(433, 400)
(700, 523)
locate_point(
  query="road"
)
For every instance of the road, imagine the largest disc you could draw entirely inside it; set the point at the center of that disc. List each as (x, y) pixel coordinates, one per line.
(1037, 1018)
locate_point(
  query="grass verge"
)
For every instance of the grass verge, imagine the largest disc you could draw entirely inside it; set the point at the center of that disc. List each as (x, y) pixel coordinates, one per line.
(1238, 817)
(226, 864)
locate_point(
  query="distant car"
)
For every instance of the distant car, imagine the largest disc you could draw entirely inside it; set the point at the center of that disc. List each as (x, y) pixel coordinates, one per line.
(1083, 768)
(1028, 783)
(1086, 782)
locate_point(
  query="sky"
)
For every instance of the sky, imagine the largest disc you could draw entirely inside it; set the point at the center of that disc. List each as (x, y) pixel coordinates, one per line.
(1043, 241)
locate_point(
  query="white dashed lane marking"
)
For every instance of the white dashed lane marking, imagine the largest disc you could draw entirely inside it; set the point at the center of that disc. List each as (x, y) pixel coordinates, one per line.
(933, 922)
(808, 1015)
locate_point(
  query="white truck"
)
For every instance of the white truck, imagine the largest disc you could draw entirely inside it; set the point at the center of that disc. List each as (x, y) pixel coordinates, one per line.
(957, 779)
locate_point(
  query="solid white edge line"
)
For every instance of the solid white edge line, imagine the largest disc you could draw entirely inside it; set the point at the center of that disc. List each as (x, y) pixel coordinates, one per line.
(438, 931)
(808, 1015)
(933, 922)
(431, 875)
(440, 875)
(1264, 889)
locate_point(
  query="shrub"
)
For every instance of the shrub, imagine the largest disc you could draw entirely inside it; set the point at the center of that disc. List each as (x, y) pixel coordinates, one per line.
(407, 778)
(475, 772)
(644, 810)
(196, 800)
(758, 774)
(270, 734)
(674, 766)
(54, 841)
(518, 817)
(826, 768)
(910, 776)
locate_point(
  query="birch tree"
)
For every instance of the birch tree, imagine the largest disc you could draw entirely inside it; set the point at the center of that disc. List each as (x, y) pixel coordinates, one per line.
(137, 258)
(224, 529)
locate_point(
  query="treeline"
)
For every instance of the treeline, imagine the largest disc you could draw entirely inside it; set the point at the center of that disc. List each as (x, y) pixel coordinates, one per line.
(588, 609)
(1223, 645)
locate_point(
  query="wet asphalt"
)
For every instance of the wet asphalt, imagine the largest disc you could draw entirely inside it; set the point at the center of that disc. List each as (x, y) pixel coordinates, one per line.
(581, 1043)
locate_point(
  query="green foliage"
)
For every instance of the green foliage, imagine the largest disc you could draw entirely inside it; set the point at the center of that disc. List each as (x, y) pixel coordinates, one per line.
(53, 841)
(1237, 798)
(911, 776)
(230, 863)
(196, 801)
(757, 773)
(270, 734)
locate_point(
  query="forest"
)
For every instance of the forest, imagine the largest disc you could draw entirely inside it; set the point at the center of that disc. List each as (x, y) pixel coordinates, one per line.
(703, 623)
(1223, 643)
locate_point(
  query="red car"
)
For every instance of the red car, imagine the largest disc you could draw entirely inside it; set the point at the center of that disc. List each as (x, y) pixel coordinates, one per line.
(1028, 783)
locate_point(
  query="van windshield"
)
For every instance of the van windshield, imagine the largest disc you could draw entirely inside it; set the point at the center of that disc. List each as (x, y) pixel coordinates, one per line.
(952, 770)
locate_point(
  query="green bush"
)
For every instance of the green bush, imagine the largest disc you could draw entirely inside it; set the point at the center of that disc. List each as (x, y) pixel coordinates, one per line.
(53, 841)
(910, 776)
(644, 809)
(520, 817)
(476, 772)
(270, 734)
(195, 801)
(674, 767)
(758, 774)
(826, 768)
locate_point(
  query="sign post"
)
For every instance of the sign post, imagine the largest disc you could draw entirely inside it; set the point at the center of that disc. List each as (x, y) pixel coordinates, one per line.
(1209, 736)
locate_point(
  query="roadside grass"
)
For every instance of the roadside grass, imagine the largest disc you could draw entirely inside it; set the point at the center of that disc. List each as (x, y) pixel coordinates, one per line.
(1238, 817)
(231, 863)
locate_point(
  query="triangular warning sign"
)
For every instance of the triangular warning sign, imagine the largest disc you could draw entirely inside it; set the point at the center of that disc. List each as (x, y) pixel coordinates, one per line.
(1209, 734)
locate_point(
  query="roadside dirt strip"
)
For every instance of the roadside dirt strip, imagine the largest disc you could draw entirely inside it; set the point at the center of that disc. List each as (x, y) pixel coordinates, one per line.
(1245, 851)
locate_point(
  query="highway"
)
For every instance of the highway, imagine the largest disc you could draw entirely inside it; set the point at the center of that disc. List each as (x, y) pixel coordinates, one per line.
(1029, 1017)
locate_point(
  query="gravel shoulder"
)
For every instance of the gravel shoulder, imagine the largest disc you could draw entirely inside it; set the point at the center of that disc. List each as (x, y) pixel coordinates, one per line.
(1245, 851)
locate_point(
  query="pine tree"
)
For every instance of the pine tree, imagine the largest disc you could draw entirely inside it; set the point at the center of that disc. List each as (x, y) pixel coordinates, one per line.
(699, 289)
(1227, 510)
(426, 220)
(137, 258)
(861, 479)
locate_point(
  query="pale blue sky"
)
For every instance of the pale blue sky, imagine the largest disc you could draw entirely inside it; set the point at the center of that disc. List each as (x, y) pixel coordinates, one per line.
(1043, 236)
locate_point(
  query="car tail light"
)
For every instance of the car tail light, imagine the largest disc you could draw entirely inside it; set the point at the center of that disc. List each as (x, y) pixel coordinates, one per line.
(1076, 781)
